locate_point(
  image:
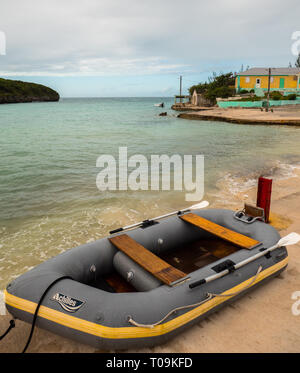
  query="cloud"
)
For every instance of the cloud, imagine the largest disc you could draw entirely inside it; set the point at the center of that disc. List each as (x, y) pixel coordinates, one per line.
(101, 67)
(133, 37)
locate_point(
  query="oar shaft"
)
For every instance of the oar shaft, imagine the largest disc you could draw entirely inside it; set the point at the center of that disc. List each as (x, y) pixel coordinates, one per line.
(236, 266)
(142, 222)
(254, 257)
(200, 205)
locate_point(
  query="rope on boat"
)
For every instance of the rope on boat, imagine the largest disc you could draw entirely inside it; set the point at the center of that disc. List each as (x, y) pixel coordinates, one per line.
(132, 322)
(239, 291)
(208, 297)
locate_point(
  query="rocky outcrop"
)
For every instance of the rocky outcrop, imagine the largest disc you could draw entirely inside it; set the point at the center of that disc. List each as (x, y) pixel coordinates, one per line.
(16, 91)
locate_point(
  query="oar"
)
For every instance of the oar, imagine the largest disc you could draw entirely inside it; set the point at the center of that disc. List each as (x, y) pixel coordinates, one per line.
(200, 205)
(290, 239)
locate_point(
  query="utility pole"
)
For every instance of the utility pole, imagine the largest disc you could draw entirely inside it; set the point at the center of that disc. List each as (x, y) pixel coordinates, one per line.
(268, 95)
(180, 88)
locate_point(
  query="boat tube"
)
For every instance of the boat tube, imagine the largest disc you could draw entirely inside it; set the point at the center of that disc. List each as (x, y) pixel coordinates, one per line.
(104, 297)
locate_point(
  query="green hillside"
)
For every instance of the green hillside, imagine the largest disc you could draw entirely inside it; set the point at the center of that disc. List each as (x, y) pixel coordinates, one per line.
(13, 91)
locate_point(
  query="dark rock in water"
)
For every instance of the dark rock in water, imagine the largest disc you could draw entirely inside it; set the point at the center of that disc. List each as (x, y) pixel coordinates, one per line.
(163, 114)
(15, 91)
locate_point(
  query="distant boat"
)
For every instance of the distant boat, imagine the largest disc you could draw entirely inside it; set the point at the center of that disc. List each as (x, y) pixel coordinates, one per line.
(160, 105)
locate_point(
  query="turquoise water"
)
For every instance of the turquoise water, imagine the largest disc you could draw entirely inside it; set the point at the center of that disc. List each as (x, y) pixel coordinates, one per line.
(49, 201)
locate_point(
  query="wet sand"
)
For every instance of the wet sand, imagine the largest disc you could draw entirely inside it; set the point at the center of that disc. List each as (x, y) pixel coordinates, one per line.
(261, 321)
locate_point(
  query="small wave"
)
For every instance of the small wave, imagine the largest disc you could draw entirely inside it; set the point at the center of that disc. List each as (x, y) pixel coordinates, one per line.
(283, 171)
(233, 188)
(236, 184)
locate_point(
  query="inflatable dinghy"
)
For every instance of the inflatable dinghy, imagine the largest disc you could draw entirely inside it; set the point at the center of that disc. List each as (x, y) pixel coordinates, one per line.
(141, 287)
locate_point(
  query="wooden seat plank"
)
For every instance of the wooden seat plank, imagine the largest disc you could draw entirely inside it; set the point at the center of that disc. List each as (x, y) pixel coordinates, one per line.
(146, 259)
(235, 238)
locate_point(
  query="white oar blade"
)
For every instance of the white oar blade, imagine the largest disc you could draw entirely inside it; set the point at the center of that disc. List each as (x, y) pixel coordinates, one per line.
(290, 239)
(200, 205)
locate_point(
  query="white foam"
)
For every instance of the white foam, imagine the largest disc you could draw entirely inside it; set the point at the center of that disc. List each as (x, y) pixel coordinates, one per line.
(235, 184)
(2, 304)
(285, 171)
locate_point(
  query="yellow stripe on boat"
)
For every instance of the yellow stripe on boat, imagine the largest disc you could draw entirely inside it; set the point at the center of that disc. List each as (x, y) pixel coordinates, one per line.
(132, 332)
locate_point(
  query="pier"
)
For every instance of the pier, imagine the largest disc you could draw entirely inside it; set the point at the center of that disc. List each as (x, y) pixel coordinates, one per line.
(279, 116)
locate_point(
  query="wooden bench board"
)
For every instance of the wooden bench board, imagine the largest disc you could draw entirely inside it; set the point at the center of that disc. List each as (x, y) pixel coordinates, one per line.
(236, 238)
(146, 259)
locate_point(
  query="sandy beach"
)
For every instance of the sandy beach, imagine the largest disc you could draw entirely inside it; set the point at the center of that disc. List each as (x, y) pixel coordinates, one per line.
(261, 321)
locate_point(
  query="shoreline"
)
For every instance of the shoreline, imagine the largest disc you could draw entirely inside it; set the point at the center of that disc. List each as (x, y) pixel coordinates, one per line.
(246, 116)
(225, 330)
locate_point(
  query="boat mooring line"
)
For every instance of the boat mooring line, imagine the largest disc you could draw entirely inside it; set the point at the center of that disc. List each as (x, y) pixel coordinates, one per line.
(38, 307)
(12, 324)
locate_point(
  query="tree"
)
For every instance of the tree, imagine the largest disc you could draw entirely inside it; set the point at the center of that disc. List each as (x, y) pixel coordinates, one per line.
(217, 86)
(297, 63)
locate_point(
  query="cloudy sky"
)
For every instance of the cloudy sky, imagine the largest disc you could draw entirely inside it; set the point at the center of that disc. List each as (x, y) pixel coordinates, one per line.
(140, 47)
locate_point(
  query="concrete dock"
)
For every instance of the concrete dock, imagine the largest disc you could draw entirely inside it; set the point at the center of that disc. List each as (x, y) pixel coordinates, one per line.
(279, 116)
(189, 107)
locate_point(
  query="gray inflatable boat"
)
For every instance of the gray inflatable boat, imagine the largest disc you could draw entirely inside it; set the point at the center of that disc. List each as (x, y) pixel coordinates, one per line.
(143, 287)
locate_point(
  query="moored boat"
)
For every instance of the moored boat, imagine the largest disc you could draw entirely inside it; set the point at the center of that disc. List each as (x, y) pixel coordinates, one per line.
(143, 287)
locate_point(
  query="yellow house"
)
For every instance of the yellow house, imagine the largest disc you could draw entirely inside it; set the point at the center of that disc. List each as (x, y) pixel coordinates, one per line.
(285, 80)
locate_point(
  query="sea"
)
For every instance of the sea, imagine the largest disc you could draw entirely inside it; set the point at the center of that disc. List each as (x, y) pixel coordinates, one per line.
(49, 198)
